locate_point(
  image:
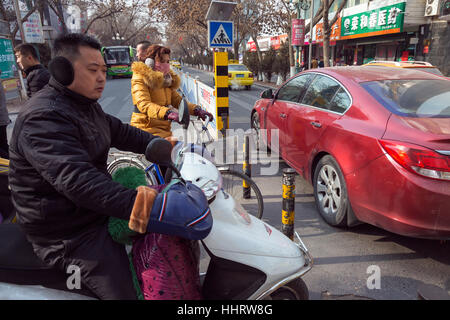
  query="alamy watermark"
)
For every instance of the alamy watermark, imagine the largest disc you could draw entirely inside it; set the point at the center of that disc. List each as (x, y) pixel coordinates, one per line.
(374, 280)
(74, 280)
(228, 149)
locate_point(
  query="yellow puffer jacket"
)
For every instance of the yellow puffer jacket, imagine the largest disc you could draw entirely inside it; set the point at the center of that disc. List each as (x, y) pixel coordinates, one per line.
(152, 99)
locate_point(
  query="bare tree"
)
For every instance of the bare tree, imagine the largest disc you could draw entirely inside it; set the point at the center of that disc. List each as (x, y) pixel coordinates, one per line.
(130, 20)
(8, 14)
(327, 26)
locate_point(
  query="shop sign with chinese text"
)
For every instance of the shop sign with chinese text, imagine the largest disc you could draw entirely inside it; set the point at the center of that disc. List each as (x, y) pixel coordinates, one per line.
(7, 59)
(335, 31)
(380, 21)
(298, 32)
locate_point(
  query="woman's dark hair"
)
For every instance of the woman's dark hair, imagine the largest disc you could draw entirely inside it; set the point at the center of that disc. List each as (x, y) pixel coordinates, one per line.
(156, 51)
(68, 45)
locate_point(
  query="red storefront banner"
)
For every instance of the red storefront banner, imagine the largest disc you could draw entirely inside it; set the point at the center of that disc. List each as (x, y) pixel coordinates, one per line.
(275, 42)
(251, 45)
(298, 32)
(335, 32)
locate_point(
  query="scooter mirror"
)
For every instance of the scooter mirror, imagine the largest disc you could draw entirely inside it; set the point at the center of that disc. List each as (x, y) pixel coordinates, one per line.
(159, 151)
(183, 114)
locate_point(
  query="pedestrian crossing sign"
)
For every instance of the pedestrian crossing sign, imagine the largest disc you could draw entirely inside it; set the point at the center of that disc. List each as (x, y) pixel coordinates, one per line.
(220, 34)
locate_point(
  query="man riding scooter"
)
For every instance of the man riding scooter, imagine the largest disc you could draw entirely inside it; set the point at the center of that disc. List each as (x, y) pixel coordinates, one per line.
(60, 186)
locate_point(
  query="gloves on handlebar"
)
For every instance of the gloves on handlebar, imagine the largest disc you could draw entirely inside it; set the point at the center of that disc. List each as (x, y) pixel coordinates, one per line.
(181, 210)
(199, 112)
(172, 116)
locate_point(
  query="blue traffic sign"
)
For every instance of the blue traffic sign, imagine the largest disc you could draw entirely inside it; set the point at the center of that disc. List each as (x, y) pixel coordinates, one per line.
(220, 34)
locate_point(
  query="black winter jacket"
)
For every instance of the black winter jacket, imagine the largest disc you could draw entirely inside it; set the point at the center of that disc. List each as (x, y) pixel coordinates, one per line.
(37, 78)
(58, 158)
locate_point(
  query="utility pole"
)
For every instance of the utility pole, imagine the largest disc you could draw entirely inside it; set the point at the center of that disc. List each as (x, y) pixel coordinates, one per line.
(22, 36)
(311, 24)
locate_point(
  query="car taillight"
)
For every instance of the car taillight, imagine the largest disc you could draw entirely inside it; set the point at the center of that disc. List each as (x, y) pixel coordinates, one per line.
(230, 75)
(420, 160)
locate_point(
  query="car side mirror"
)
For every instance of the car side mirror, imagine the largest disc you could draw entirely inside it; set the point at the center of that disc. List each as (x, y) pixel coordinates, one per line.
(267, 94)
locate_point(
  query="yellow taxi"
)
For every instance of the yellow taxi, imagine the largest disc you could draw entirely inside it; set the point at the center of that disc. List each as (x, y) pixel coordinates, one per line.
(416, 65)
(239, 75)
(175, 64)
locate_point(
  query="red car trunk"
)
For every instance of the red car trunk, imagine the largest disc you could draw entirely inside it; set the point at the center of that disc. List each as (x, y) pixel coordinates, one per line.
(433, 133)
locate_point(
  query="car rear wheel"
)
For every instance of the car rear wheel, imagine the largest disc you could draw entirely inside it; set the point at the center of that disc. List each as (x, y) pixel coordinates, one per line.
(330, 192)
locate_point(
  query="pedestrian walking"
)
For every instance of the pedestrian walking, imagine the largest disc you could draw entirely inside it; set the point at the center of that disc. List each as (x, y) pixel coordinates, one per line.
(321, 63)
(37, 75)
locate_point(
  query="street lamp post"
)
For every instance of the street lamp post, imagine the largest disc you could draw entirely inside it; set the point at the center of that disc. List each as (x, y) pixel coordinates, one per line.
(310, 33)
(297, 6)
(117, 38)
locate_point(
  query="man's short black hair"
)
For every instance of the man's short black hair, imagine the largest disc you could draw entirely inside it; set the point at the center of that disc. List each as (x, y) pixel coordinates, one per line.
(68, 45)
(27, 49)
(145, 44)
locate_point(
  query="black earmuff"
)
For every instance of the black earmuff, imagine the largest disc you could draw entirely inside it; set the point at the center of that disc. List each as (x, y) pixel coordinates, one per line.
(62, 70)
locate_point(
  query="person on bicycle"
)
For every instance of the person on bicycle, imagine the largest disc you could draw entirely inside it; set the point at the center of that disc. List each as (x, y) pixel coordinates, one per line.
(154, 91)
(60, 185)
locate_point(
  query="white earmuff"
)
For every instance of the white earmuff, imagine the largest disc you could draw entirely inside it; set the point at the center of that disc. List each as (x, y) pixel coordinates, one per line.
(150, 62)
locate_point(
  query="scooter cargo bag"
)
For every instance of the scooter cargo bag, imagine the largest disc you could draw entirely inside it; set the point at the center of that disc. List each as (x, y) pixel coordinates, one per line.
(167, 267)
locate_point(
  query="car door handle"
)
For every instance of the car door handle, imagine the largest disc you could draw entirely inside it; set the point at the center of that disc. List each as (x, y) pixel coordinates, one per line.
(316, 124)
(282, 115)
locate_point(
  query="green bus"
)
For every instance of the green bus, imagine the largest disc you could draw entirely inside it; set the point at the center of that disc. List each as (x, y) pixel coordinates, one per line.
(118, 60)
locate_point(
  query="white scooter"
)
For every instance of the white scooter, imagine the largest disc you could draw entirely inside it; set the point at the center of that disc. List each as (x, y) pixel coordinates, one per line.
(249, 259)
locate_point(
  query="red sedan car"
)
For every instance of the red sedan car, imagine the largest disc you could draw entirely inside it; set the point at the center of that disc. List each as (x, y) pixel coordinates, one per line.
(374, 143)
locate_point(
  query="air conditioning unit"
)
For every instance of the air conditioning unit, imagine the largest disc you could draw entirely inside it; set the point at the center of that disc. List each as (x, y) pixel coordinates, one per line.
(431, 8)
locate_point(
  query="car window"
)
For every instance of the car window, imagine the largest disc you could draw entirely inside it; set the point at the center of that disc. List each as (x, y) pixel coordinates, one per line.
(430, 70)
(295, 88)
(412, 98)
(341, 101)
(321, 92)
(237, 67)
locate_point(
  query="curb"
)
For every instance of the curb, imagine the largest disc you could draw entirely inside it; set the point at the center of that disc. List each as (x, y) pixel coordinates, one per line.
(265, 86)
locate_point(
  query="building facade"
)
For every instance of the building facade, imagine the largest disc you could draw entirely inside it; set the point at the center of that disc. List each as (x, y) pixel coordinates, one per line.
(392, 30)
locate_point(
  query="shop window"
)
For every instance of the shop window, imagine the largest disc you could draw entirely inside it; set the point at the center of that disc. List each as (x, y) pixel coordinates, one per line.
(386, 52)
(369, 53)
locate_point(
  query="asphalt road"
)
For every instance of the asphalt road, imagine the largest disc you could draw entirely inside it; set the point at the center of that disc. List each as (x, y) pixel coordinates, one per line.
(342, 257)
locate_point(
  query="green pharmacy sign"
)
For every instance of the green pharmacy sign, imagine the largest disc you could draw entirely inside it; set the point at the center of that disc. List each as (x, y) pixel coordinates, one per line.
(380, 21)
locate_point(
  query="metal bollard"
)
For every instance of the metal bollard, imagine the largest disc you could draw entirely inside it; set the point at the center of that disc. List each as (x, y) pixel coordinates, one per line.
(247, 168)
(288, 211)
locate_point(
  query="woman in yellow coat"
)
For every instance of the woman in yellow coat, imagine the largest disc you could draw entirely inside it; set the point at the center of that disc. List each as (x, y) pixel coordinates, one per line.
(154, 91)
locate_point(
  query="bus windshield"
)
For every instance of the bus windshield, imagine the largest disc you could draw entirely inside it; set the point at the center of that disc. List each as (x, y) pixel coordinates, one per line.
(117, 56)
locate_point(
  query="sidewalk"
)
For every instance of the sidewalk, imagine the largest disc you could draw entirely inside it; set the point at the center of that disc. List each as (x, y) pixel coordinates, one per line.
(265, 84)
